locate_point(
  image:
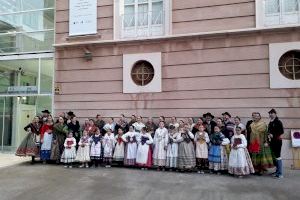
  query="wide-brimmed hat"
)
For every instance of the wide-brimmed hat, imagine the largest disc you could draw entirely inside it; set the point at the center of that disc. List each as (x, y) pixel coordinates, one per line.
(70, 113)
(46, 111)
(272, 111)
(208, 114)
(226, 113)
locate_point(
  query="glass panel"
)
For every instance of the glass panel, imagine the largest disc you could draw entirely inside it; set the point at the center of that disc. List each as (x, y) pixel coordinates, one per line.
(26, 42)
(129, 19)
(6, 113)
(129, 2)
(157, 12)
(142, 14)
(43, 103)
(290, 5)
(28, 21)
(7, 6)
(47, 66)
(272, 6)
(18, 73)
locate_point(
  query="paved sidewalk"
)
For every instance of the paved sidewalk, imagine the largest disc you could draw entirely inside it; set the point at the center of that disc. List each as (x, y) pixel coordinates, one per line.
(9, 159)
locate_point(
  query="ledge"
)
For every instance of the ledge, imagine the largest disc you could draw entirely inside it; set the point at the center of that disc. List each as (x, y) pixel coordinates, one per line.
(179, 36)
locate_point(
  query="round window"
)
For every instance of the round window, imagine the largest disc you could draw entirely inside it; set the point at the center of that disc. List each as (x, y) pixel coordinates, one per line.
(142, 73)
(289, 65)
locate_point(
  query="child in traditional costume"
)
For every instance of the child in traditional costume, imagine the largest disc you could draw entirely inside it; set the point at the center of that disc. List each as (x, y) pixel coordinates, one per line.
(217, 156)
(186, 151)
(144, 154)
(160, 144)
(172, 151)
(120, 148)
(201, 141)
(46, 141)
(240, 163)
(69, 153)
(130, 138)
(83, 152)
(108, 143)
(96, 145)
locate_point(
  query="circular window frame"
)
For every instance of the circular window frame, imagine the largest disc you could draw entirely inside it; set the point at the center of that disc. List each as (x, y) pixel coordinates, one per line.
(142, 81)
(287, 69)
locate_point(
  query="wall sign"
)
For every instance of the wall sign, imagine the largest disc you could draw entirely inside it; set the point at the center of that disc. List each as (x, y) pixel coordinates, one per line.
(295, 135)
(82, 17)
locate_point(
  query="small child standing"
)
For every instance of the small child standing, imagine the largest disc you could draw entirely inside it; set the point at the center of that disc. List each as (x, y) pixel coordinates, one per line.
(69, 153)
(217, 156)
(144, 154)
(83, 152)
(108, 147)
(201, 141)
(130, 138)
(172, 151)
(119, 149)
(95, 153)
(240, 163)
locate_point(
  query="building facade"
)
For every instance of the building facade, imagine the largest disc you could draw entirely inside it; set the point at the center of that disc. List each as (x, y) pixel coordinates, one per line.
(26, 65)
(182, 58)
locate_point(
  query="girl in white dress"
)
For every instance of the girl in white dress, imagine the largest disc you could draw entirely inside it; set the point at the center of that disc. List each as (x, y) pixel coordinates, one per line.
(144, 155)
(160, 144)
(240, 163)
(95, 142)
(69, 153)
(108, 143)
(83, 152)
(130, 138)
(172, 151)
(201, 140)
(120, 147)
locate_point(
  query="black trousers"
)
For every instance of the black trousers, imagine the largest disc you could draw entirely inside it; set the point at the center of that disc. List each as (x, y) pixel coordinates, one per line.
(276, 148)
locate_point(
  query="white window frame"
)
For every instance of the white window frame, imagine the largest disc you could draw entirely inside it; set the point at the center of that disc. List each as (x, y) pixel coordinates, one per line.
(260, 16)
(119, 6)
(277, 80)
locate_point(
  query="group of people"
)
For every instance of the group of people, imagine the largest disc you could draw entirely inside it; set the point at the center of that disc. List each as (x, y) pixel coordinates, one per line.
(223, 145)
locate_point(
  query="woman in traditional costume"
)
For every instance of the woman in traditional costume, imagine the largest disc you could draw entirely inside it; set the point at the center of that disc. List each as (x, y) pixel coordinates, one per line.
(144, 154)
(130, 138)
(69, 154)
(108, 143)
(239, 159)
(83, 152)
(60, 131)
(172, 150)
(96, 148)
(259, 148)
(186, 150)
(160, 143)
(201, 141)
(30, 146)
(138, 125)
(120, 148)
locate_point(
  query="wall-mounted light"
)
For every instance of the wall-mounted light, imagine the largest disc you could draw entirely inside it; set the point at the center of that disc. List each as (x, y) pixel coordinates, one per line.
(87, 54)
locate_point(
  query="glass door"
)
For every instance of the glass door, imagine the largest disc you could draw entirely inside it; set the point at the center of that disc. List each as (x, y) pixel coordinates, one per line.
(6, 118)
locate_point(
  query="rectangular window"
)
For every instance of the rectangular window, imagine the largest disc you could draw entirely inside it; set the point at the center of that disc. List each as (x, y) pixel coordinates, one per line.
(142, 18)
(280, 12)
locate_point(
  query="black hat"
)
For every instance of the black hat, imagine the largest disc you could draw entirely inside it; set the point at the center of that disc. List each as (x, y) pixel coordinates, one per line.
(70, 113)
(272, 111)
(226, 113)
(208, 114)
(46, 111)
